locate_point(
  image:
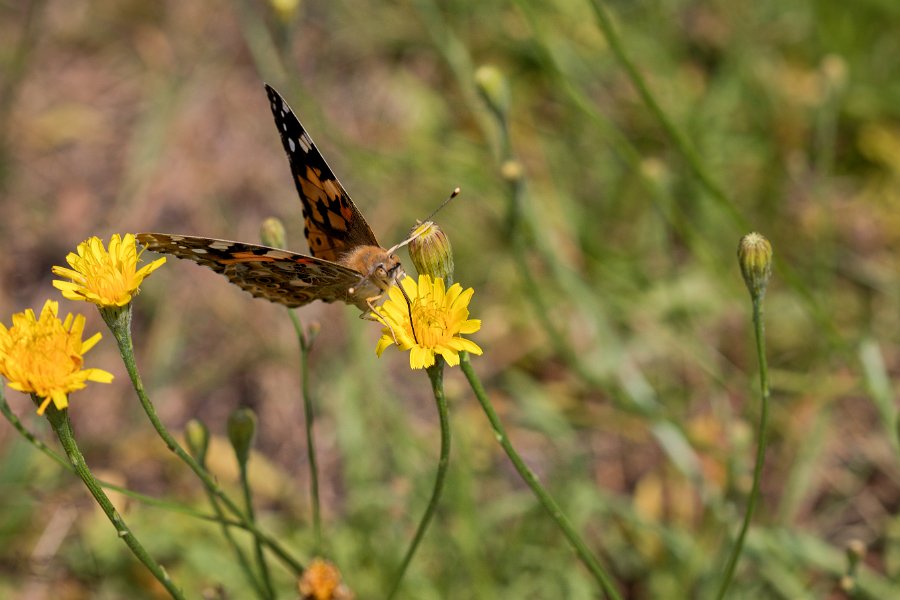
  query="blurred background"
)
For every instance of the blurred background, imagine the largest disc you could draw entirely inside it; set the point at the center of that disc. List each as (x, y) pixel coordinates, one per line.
(617, 340)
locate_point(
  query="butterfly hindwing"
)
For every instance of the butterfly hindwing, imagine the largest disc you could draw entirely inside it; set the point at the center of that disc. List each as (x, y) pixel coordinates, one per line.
(333, 224)
(276, 275)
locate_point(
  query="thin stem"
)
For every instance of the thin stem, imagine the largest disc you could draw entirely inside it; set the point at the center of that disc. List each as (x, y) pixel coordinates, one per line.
(257, 544)
(680, 141)
(59, 420)
(586, 556)
(305, 344)
(696, 165)
(119, 322)
(436, 375)
(149, 500)
(760, 330)
(239, 554)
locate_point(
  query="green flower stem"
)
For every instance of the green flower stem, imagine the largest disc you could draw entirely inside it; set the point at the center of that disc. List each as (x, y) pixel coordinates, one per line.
(119, 322)
(59, 420)
(149, 500)
(681, 143)
(586, 556)
(697, 167)
(239, 554)
(269, 591)
(305, 345)
(17, 424)
(436, 375)
(760, 330)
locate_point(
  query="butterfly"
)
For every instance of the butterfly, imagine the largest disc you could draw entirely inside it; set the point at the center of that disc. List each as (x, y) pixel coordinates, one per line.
(346, 262)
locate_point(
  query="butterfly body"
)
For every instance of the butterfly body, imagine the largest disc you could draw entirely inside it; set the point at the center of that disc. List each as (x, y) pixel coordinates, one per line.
(346, 262)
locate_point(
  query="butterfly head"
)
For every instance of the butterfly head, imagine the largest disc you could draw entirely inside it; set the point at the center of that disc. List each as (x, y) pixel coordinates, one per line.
(378, 266)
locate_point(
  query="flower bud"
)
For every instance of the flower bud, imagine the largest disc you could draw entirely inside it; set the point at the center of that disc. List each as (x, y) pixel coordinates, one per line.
(286, 10)
(493, 87)
(197, 437)
(241, 431)
(431, 253)
(856, 551)
(755, 258)
(271, 232)
(312, 331)
(511, 170)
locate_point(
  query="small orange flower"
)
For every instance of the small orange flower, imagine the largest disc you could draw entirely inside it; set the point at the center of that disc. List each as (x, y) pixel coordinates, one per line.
(322, 581)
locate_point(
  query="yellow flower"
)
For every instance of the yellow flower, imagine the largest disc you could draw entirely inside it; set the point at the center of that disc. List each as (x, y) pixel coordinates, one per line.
(43, 356)
(438, 317)
(106, 278)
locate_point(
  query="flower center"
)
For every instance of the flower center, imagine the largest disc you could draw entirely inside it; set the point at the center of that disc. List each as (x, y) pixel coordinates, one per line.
(105, 278)
(430, 323)
(43, 355)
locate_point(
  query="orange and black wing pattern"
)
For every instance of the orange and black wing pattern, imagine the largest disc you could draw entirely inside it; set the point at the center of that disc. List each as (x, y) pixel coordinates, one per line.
(276, 275)
(333, 224)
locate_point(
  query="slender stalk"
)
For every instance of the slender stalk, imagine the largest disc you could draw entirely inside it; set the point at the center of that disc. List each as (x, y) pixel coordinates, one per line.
(149, 500)
(697, 167)
(119, 322)
(760, 330)
(681, 143)
(59, 420)
(239, 554)
(546, 500)
(305, 345)
(436, 375)
(268, 590)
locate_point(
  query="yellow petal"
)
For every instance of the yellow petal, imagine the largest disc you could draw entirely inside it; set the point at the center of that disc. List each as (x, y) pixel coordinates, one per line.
(98, 375)
(470, 326)
(91, 342)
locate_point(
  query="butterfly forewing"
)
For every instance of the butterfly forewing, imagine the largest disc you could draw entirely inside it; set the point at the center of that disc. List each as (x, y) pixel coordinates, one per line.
(276, 275)
(347, 264)
(333, 224)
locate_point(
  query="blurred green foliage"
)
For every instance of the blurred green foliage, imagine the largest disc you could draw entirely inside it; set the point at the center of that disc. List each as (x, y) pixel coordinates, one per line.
(617, 336)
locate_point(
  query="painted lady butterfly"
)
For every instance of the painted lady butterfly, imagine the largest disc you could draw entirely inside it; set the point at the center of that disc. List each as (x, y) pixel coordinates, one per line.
(346, 261)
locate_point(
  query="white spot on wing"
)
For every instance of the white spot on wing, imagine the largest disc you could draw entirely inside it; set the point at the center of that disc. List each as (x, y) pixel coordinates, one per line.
(220, 245)
(292, 145)
(305, 142)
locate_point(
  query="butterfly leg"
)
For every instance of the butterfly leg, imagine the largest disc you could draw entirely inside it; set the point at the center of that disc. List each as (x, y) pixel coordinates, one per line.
(372, 315)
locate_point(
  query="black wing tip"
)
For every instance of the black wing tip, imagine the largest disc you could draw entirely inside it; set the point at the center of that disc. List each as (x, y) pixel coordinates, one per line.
(273, 93)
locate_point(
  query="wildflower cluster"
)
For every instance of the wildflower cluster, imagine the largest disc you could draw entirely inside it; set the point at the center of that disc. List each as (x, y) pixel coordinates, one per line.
(44, 355)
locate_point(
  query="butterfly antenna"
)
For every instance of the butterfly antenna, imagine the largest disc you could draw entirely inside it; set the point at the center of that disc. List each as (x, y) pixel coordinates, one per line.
(419, 231)
(453, 195)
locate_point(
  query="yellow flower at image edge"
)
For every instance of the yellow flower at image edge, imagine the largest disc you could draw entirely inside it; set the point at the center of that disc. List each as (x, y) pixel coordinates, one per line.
(106, 278)
(431, 325)
(43, 356)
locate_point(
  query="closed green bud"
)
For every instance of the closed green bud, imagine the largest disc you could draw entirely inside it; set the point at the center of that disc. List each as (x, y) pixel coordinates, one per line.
(271, 232)
(755, 258)
(511, 170)
(197, 437)
(493, 87)
(241, 431)
(856, 551)
(285, 9)
(431, 253)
